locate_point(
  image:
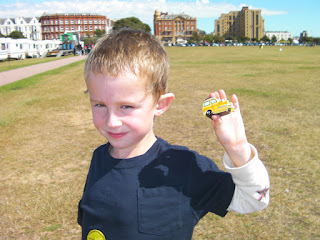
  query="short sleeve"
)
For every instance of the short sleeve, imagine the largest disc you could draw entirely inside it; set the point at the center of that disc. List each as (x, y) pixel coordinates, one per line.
(211, 189)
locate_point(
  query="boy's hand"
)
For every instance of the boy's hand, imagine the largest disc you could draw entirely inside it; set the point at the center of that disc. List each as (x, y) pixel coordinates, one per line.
(230, 132)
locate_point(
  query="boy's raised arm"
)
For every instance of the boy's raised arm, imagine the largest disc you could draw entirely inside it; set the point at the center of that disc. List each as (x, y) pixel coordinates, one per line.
(241, 160)
(230, 132)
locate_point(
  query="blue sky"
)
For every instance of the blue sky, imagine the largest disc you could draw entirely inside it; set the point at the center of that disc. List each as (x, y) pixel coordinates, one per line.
(280, 15)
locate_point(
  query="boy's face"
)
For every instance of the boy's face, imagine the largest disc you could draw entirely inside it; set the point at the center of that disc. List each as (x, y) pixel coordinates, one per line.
(123, 113)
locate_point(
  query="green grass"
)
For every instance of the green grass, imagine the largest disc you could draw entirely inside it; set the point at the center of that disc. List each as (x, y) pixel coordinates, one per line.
(47, 138)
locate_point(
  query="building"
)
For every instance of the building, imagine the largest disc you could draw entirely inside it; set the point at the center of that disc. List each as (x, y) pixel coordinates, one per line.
(280, 35)
(245, 23)
(29, 27)
(171, 28)
(54, 25)
(304, 34)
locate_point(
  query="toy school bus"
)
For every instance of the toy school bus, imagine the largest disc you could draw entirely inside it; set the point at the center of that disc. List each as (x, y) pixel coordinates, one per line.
(214, 106)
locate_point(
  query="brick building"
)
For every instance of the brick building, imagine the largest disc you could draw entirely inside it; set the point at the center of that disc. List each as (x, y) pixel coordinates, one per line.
(53, 25)
(244, 23)
(170, 28)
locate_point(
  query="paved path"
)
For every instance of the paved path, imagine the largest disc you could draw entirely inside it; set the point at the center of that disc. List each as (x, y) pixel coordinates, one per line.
(24, 72)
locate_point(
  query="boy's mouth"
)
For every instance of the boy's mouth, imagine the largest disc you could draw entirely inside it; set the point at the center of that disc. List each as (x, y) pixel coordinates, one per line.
(116, 135)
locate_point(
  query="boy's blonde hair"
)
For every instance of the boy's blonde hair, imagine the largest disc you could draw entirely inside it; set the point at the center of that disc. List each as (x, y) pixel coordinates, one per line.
(135, 51)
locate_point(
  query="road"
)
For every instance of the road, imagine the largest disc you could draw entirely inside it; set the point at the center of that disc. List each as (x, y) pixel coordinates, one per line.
(24, 72)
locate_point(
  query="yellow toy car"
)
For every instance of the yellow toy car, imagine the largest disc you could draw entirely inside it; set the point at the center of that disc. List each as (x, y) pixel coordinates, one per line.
(214, 106)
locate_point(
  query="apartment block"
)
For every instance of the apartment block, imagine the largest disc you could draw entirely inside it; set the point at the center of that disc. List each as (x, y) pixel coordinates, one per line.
(54, 25)
(280, 35)
(29, 27)
(244, 23)
(171, 28)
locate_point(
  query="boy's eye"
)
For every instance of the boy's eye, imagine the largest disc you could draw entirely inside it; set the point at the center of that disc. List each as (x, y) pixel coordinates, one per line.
(126, 107)
(99, 105)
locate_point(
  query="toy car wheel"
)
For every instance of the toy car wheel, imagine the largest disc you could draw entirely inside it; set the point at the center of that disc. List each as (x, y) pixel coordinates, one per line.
(229, 109)
(209, 113)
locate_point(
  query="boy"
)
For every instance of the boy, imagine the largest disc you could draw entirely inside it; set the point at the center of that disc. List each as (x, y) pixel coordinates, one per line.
(139, 187)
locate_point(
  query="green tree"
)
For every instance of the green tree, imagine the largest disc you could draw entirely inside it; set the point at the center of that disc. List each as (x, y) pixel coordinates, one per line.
(208, 38)
(16, 34)
(99, 32)
(244, 39)
(218, 39)
(133, 23)
(274, 39)
(265, 38)
(196, 37)
(1, 35)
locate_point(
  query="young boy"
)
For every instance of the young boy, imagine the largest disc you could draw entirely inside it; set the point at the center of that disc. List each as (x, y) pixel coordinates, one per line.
(139, 187)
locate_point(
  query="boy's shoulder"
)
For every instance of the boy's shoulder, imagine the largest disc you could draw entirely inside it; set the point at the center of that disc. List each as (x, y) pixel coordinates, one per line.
(182, 155)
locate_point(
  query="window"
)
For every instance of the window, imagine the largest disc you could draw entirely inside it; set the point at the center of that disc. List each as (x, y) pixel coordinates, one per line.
(66, 21)
(72, 21)
(90, 21)
(61, 21)
(85, 21)
(61, 29)
(3, 46)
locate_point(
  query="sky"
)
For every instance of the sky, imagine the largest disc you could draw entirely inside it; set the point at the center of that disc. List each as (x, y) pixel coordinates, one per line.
(279, 15)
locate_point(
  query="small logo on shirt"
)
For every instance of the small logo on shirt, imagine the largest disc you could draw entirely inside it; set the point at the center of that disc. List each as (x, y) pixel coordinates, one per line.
(263, 193)
(95, 235)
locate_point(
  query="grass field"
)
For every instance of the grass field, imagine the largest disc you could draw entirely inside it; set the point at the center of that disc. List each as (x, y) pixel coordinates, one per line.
(47, 139)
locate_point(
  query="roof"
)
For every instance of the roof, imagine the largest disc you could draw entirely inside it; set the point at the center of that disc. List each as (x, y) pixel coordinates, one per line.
(26, 19)
(173, 16)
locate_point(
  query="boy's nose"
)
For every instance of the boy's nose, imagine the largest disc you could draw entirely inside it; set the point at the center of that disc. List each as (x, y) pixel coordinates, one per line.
(113, 121)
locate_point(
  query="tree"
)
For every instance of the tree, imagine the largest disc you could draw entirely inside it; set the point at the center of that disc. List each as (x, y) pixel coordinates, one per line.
(99, 33)
(218, 39)
(133, 23)
(1, 35)
(208, 38)
(244, 39)
(274, 39)
(196, 37)
(265, 38)
(16, 34)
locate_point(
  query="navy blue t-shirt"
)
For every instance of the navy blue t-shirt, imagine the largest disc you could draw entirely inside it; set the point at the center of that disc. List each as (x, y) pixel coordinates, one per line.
(161, 194)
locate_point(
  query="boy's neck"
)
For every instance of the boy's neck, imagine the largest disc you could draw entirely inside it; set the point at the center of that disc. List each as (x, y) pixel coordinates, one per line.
(139, 149)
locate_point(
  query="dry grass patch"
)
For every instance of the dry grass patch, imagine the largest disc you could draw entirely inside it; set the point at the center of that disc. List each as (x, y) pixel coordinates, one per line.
(47, 139)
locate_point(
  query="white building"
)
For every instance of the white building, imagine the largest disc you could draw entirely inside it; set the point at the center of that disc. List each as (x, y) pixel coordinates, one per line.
(279, 34)
(29, 27)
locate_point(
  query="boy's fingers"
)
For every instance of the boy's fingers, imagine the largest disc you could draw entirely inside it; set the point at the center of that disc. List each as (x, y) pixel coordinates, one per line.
(235, 101)
(216, 95)
(222, 94)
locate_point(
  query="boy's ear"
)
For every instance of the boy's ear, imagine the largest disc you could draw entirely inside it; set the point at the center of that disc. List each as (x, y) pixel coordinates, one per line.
(163, 103)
